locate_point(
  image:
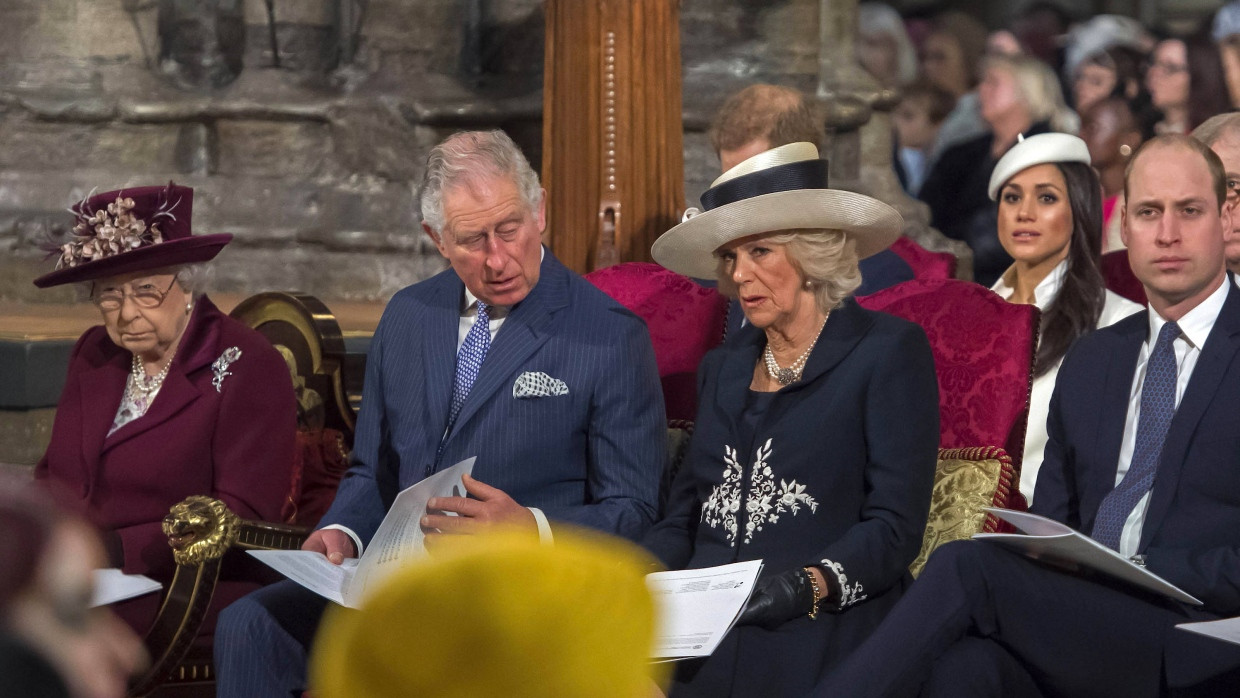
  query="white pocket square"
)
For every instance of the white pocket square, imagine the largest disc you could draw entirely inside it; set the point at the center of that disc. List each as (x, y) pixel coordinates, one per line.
(537, 384)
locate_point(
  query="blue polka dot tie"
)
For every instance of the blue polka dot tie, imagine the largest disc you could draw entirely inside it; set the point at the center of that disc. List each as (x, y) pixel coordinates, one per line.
(469, 360)
(1157, 409)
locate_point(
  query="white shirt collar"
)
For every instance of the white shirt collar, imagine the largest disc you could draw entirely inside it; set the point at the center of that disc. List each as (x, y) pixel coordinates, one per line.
(1196, 324)
(1045, 291)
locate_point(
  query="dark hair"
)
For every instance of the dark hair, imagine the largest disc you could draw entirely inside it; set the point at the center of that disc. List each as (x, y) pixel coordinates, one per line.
(938, 101)
(26, 523)
(1207, 90)
(1077, 307)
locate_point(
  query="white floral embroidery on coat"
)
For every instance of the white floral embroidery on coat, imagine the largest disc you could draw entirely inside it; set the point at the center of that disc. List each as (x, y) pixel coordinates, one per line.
(765, 502)
(849, 595)
(220, 367)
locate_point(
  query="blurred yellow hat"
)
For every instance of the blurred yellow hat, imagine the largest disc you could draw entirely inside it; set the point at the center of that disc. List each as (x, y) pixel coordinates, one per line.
(499, 615)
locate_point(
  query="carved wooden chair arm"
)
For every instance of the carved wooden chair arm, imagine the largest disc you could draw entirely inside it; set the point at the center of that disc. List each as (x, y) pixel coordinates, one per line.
(200, 531)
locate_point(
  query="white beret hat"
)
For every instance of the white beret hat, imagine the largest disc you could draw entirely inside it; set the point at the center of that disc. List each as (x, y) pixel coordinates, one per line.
(1036, 150)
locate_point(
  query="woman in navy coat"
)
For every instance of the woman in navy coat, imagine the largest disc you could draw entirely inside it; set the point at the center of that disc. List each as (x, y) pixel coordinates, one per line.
(817, 428)
(169, 397)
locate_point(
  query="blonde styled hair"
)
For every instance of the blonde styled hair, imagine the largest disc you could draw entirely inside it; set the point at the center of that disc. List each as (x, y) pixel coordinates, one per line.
(825, 258)
(1039, 90)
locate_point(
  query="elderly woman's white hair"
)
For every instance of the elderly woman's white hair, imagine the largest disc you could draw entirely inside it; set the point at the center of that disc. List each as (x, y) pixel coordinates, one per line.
(874, 18)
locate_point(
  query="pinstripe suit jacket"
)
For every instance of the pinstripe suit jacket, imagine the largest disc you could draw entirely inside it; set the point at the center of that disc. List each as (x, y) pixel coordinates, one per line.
(592, 457)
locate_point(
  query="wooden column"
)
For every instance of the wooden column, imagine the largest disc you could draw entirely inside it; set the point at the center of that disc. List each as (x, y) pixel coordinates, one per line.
(613, 158)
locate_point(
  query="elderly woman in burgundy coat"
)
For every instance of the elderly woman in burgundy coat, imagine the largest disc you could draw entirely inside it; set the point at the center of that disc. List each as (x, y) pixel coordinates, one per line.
(169, 397)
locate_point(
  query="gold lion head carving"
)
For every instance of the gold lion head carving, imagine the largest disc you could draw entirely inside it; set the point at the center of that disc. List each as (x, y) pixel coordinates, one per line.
(199, 529)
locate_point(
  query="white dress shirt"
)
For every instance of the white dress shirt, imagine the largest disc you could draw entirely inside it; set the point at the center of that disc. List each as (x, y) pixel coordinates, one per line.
(1114, 309)
(1195, 327)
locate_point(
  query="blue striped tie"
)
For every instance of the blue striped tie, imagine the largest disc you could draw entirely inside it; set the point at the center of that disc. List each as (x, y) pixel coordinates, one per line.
(1157, 409)
(469, 360)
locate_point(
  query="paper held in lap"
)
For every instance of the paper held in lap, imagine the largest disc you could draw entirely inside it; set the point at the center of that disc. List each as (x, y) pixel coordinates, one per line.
(398, 543)
(1045, 539)
(696, 608)
(1226, 629)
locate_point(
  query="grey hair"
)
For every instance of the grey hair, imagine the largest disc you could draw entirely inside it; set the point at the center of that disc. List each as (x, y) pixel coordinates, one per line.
(194, 279)
(1215, 128)
(465, 157)
(826, 259)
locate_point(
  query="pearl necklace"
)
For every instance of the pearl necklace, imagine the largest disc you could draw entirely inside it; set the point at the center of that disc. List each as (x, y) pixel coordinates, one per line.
(140, 384)
(792, 374)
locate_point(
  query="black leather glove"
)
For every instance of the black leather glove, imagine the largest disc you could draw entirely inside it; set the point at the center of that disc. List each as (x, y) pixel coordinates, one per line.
(779, 599)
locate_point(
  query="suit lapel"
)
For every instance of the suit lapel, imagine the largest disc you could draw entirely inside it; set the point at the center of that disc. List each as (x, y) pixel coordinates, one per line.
(523, 332)
(1207, 376)
(1114, 408)
(845, 327)
(101, 389)
(439, 352)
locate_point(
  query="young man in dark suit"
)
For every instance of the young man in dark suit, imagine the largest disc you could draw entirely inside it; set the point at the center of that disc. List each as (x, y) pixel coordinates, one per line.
(507, 356)
(1143, 455)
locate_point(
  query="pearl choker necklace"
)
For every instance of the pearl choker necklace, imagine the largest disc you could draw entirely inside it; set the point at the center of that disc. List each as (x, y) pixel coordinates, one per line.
(792, 374)
(140, 384)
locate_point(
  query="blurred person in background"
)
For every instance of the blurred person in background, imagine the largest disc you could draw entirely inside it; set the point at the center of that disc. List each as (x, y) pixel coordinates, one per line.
(917, 119)
(53, 642)
(1113, 134)
(1185, 81)
(883, 45)
(1222, 134)
(951, 59)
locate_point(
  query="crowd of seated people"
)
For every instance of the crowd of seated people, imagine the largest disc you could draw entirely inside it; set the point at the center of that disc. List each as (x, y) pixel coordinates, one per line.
(815, 440)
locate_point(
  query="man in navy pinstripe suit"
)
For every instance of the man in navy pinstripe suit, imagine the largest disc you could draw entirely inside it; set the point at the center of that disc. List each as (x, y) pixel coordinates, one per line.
(564, 414)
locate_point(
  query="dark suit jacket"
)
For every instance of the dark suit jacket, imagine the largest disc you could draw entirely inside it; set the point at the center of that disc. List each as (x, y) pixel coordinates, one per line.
(592, 457)
(1191, 535)
(235, 443)
(858, 435)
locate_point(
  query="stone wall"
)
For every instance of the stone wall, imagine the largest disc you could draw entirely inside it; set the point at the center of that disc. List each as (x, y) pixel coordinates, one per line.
(310, 163)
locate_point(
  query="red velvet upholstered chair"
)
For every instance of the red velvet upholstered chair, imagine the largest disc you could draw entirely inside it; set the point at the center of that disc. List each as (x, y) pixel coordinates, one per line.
(685, 319)
(983, 354)
(1118, 277)
(924, 263)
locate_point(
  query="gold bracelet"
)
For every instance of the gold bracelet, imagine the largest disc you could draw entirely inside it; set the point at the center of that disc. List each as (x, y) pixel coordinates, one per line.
(813, 584)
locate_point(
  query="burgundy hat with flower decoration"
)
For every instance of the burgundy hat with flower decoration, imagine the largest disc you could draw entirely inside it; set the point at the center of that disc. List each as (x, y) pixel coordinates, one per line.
(128, 230)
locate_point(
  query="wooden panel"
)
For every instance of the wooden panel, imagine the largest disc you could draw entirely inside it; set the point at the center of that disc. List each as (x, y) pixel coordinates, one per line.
(613, 160)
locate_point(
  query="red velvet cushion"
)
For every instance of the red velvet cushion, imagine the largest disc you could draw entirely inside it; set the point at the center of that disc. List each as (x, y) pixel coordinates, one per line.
(319, 462)
(983, 355)
(1118, 277)
(924, 263)
(685, 319)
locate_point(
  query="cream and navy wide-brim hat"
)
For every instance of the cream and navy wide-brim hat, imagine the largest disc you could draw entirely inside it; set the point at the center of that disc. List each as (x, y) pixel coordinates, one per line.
(784, 188)
(1036, 150)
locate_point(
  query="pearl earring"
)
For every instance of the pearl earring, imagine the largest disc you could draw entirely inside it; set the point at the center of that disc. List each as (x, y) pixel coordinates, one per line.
(808, 284)
(189, 305)
(1125, 150)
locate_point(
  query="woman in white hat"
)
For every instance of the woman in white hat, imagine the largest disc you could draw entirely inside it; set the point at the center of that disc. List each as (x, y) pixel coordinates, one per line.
(817, 428)
(1050, 222)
